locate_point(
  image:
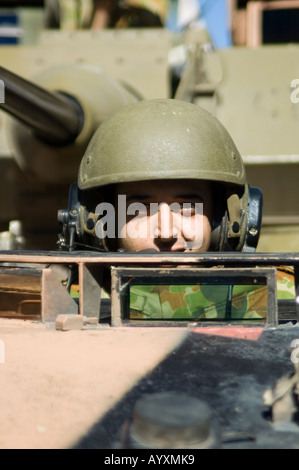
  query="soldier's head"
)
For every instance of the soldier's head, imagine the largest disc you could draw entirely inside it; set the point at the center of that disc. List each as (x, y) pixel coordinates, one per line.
(166, 175)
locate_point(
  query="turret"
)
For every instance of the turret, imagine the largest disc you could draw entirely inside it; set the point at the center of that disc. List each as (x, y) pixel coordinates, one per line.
(55, 115)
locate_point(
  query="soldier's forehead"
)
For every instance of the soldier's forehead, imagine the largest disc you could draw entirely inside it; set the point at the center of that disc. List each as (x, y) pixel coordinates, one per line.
(177, 188)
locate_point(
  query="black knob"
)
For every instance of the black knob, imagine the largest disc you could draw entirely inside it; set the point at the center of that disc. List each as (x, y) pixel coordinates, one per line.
(90, 224)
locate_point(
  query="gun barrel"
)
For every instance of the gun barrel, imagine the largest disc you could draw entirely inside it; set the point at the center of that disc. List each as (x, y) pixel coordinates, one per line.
(54, 117)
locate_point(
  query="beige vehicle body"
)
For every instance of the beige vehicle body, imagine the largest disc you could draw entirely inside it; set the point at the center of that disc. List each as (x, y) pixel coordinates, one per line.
(252, 91)
(57, 386)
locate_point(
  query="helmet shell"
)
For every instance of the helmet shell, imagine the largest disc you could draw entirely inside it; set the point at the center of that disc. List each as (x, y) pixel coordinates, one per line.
(160, 139)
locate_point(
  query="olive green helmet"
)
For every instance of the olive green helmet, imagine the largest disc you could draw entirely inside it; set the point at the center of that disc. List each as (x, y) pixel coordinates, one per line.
(171, 139)
(160, 139)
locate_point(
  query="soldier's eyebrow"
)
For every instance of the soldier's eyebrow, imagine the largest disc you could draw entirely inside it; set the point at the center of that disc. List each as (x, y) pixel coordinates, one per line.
(145, 197)
(187, 197)
(138, 197)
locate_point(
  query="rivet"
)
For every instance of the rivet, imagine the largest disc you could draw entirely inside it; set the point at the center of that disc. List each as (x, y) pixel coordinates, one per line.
(253, 230)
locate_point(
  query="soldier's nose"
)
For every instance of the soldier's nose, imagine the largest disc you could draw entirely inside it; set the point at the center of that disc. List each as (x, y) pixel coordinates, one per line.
(166, 229)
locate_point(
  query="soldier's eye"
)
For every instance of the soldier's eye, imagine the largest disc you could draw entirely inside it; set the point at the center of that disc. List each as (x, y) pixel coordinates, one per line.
(136, 209)
(187, 209)
(144, 209)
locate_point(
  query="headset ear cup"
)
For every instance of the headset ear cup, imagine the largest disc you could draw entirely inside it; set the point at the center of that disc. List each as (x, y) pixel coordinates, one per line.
(69, 218)
(250, 225)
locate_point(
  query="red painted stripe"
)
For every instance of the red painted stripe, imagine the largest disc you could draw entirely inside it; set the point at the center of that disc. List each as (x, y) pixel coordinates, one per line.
(232, 331)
